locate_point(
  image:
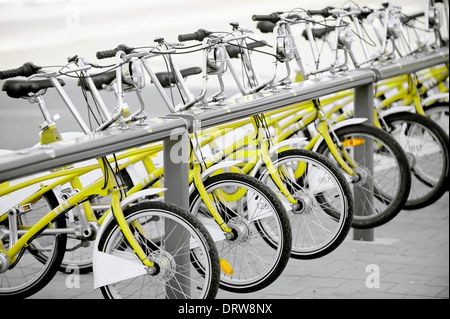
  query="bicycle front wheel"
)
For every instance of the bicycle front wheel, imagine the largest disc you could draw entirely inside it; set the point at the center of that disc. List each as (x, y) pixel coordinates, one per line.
(322, 216)
(176, 242)
(259, 248)
(383, 176)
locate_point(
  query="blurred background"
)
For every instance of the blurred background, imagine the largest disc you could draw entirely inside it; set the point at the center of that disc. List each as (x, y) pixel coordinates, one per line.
(46, 32)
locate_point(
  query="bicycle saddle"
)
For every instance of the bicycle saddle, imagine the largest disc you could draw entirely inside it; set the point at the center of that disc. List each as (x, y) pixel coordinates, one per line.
(167, 78)
(21, 88)
(100, 79)
(265, 26)
(234, 51)
(318, 32)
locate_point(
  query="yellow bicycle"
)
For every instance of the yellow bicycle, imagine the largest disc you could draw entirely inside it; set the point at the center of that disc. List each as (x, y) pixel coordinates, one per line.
(144, 234)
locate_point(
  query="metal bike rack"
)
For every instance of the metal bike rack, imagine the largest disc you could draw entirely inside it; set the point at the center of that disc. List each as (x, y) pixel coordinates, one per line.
(33, 160)
(411, 63)
(170, 129)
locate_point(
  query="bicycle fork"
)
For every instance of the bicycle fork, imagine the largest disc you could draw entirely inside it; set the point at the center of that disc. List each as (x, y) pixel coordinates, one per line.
(208, 201)
(116, 194)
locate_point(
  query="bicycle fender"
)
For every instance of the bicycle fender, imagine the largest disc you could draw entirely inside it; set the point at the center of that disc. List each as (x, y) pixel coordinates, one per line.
(344, 123)
(128, 200)
(142, 193)
(438, 97)
(107, 268)
(275, 148)
(397, 109)
(212, 169)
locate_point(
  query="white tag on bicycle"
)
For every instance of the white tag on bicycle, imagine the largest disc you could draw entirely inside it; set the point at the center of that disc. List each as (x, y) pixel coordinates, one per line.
(319, 180)
(257, 208)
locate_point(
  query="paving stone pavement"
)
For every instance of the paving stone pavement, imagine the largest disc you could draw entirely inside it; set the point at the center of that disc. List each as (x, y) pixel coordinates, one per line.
(409, 255)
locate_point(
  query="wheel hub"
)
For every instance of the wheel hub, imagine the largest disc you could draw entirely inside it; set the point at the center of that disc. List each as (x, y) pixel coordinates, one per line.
(166, 266)
(305, 202)
(362, 176)
(240, 229)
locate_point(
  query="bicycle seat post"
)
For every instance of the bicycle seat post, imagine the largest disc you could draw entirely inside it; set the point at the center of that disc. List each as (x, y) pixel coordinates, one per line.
(48, 119)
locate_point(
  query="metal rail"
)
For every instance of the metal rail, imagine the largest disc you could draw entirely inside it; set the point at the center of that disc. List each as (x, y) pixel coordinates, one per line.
(34, 160)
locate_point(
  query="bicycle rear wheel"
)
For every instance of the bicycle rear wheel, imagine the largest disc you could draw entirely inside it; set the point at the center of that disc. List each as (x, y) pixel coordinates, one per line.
(323, 215)
(426, 145)
(176, 242)
(38, 263)
(260, 247)
(384, 189)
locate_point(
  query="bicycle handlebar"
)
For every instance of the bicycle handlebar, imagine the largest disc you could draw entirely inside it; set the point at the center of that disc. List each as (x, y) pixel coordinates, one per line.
(324, 12)
(273, 17)
(364, 13)
(111, 53)
(26, 70)
(198, 35)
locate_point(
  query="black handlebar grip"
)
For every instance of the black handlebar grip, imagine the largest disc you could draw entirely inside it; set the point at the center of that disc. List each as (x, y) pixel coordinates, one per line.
(106, 54)
(25, 70)
(364, 13)
(324, 12)
(273, 17)
(111, 53)
(198, 35)
(125, 48)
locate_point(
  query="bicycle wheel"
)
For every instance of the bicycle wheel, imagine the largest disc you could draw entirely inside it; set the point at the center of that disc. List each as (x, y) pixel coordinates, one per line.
(176, 242)
(38, 263)
(322, 217)
(384, 179)
(426, 145)
(260, 247)
(438, 112)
